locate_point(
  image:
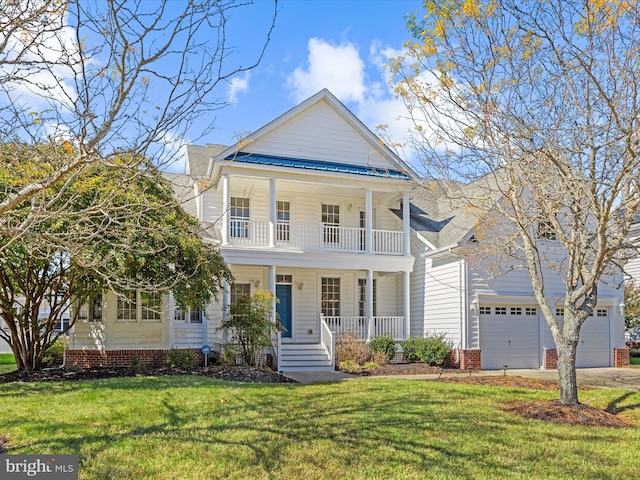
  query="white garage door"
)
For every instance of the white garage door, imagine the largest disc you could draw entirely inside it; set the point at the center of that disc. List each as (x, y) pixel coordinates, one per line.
(594, 347)
(509, 335)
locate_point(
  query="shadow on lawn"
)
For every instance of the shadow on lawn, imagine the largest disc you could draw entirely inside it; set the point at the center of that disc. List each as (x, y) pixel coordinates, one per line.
(615, 407)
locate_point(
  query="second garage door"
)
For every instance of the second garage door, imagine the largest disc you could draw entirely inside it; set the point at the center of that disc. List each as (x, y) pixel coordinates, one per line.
(509, 335)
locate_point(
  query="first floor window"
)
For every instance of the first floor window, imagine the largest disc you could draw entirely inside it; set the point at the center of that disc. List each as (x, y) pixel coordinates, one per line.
(238, 292)
(190, 315)
(127, 307)
(92, 310)
(151, 306)
(330, 295)
(362, 297)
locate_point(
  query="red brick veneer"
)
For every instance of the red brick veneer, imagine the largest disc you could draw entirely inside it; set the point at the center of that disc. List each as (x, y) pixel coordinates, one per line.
(118, 358)
(470, 359)
(550, 359)
(621, 357)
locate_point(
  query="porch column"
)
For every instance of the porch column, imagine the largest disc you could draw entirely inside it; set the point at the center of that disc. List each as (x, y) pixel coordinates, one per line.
(272, 289)
(226, 301)
(368, 223)
(406, 225)
(406, 303)
(226, 203)
(368, 309)
(273, 214)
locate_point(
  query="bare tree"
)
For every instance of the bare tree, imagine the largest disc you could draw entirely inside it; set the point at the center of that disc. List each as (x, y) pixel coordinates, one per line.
(100, 78)
(531, 110)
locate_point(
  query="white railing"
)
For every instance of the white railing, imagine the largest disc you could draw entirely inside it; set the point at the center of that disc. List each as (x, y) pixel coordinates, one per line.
(329, 341)
(319, 237)
(361, 327)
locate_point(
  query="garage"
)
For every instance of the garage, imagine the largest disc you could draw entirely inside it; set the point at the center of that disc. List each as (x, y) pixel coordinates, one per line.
(594, 346)
(509, 335)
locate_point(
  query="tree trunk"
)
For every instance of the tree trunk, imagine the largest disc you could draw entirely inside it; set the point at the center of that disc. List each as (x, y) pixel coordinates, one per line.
(567, 372)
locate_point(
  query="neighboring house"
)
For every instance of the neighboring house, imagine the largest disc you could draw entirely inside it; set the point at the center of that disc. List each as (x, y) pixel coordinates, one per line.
(632, 271)
(301, 207)
(495, 322)
(315, 208)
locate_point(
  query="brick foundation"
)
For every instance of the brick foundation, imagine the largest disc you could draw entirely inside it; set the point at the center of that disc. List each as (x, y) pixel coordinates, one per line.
(76, 359)
(470, 359)
(621, 357)
(452, 360)
(550, 359)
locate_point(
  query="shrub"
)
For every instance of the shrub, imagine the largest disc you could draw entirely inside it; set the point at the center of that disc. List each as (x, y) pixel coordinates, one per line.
(135, 365)
(371, 366)
(250, 326)
(349, 366)
(54, 355)
(635, 352)
(182, 359)
(350, 347)
(385, 345)
(432, 349)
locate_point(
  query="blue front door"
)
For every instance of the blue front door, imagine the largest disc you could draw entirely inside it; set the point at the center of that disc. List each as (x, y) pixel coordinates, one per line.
(283, 308)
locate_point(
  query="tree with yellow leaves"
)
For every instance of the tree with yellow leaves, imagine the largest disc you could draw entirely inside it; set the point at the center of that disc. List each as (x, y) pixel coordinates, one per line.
(531, 109)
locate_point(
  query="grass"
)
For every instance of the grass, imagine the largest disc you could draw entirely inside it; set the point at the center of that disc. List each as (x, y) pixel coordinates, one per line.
(7, 362)
(197, 428)
(635, 360)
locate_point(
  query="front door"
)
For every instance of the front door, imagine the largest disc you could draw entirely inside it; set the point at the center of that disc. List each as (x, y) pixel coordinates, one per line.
(283, 308)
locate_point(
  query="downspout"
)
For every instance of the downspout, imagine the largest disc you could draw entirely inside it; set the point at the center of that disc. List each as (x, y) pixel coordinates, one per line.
(464, 304)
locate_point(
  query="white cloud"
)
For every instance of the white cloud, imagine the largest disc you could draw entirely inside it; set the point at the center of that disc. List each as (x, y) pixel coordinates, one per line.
(238, 85)
(337, 68)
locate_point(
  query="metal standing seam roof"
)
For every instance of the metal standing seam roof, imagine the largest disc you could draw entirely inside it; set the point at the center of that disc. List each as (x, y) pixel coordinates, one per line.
(260, 159)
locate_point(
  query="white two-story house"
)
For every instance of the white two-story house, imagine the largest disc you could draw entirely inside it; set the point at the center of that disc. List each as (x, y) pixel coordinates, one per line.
(303, 207)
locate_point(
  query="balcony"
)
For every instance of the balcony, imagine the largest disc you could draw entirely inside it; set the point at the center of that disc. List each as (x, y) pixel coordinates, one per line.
(321, 237)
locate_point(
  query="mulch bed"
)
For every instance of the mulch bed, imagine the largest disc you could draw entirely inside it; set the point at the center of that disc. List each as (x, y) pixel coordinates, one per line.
(232, 374)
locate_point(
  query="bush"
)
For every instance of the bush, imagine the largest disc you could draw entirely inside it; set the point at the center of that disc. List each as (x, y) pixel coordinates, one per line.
(249, 325)
(350, 347)
(385, 345)
(634, 352)
(349, 366)
(432, 349)
(182, 359)
(54, 355)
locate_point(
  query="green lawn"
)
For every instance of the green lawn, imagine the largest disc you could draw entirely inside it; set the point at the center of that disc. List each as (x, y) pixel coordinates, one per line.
(635, 360)
(198, 428)
(7, 362)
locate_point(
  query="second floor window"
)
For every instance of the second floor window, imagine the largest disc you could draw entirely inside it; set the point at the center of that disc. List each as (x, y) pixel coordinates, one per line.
(239, 217)
(331, 221)
(284, 217)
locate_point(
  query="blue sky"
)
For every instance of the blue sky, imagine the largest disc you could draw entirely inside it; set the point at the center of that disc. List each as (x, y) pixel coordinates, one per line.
(341, 45)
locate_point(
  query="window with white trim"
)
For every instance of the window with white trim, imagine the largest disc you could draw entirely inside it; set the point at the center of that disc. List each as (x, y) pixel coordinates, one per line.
(331, 221)
(92, 310)
(362, 297)
(516, 310)
(485, 310)
(239, 217)
(188, 315)
(531, 311)
(150, 307)
(239, 291)
(501, 310)
(330, 295)
(559, 312)
(126, 310)
(283, 226)
(601, 312)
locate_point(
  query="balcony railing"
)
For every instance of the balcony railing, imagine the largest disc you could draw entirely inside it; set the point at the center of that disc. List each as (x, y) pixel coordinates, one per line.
(365, 329)
(320, 237)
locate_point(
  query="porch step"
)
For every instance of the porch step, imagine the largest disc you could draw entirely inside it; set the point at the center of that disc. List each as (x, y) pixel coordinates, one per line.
(309, 357)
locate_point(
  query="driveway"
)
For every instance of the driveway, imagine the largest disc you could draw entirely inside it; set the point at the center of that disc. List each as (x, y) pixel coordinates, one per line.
(626, 378)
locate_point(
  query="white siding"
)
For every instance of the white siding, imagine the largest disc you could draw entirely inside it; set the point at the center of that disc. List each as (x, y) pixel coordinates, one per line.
(319, 133)
(418, 289)
(442, 299)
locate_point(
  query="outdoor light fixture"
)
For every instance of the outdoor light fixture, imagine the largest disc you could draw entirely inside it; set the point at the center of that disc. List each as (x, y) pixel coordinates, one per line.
(621, 308)
(300, 285)
(256, 283)
(474, 305)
